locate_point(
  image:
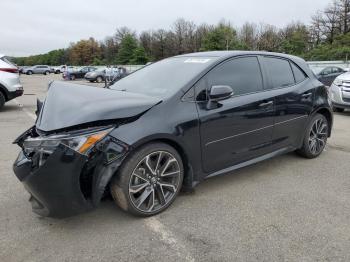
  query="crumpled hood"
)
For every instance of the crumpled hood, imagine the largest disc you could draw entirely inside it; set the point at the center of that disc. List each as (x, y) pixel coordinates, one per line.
(68, 105)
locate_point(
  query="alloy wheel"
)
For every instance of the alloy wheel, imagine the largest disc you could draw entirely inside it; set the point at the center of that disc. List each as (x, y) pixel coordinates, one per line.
(155, 181)
(318, 136)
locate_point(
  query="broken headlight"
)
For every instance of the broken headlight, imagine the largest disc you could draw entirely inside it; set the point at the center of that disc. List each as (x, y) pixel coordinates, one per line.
(79, 142)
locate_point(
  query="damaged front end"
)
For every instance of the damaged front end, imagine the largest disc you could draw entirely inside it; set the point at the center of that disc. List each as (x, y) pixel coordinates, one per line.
(67, 173)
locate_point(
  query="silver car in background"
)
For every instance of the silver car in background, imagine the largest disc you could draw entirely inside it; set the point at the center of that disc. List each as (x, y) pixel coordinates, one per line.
(38, 69)
(340, 92)
(10, 85)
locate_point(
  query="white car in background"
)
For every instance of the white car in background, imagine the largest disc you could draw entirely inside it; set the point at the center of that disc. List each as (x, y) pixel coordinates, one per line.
(340, 92)
(10, 85)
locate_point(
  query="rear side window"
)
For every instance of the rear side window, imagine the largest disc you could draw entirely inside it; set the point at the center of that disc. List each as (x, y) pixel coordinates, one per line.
(279, 71)
(242, 74)
(298, 74)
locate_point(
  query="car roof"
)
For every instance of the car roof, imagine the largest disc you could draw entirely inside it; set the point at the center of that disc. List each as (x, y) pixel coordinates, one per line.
(227, 54)
(222, 55)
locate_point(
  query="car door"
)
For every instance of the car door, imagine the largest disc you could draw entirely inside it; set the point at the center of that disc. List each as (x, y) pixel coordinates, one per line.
(36, 69)
(293, 96)
(40, 69)
(238, 128)
(82, 72)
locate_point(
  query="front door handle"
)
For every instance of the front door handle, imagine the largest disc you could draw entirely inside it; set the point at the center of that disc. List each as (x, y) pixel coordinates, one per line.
(264, 104)
(306, 95)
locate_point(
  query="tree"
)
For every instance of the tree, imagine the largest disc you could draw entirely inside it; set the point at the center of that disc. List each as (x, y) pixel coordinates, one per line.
(222, 37)
(139, 56)
(248, 35)
(127, 48)
(268, 38)
(295, 39)
(84, 52)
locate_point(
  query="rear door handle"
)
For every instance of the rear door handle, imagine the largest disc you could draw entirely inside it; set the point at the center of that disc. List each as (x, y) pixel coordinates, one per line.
(264, 104)
(306, 95)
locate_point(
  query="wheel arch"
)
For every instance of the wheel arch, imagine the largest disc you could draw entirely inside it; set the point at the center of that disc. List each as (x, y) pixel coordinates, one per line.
(4, 91)
(326, 112)
(187, 184)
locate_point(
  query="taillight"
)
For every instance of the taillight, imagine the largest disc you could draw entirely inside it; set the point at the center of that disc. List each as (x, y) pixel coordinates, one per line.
(9, 70)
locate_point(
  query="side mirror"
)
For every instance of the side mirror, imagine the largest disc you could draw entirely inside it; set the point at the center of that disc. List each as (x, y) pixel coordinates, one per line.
(221, 92)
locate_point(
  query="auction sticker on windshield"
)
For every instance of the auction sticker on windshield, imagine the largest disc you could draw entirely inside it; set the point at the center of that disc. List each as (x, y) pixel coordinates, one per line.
(197, 60)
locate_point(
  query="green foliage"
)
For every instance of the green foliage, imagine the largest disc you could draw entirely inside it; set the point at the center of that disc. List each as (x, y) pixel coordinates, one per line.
(128, 46)
(222, 37)
(139, 56)
(54, 57)
(296, 43)
(338, 50)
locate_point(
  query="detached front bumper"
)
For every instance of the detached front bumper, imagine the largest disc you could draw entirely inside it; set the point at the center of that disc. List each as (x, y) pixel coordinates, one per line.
(55, 186)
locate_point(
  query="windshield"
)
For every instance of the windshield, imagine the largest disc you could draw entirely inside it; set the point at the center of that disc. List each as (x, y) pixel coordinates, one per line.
(164, 78)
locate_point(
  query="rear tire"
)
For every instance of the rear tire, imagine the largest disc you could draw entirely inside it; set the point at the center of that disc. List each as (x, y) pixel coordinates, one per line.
(29, 73)
(99, 79)
(46, 73)
(72, 77)
(2, 100)
(315, 137)
(338, 109)
(149, 180)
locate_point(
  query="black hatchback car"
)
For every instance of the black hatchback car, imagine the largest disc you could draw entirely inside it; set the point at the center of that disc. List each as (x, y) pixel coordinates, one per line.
(169, 126)
(80, 73)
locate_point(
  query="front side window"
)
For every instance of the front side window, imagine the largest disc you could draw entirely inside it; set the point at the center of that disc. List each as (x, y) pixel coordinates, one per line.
(242, 74)
(280, 72)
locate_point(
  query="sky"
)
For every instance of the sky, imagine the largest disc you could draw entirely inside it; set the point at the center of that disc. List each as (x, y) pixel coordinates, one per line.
(37, 26)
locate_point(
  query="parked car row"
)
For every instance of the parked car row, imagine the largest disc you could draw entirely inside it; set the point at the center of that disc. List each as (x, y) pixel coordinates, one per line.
(77, 74)
(109, 74)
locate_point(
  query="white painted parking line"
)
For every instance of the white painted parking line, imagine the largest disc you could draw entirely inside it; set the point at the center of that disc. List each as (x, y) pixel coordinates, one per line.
(30, 114)
(168, 238)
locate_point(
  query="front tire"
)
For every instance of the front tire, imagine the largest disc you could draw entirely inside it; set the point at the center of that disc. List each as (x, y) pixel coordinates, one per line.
(315, 138)
(149, 180)
(29, 73)
(46, 73)
(72, 77)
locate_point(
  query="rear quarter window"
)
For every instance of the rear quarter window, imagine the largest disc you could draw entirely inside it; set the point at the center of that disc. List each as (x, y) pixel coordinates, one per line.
(299, 75)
